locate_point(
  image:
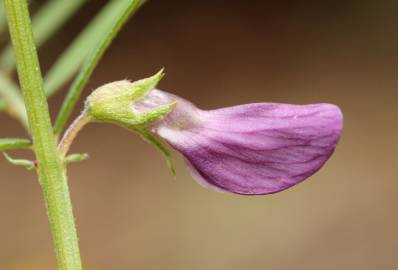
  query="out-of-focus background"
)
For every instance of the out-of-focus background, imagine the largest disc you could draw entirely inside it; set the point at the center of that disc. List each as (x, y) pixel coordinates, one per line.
(131, 214)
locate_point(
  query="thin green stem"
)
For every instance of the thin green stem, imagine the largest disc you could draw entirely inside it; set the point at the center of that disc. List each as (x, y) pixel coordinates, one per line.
(127, 7)
(71, 133)
(51, 171)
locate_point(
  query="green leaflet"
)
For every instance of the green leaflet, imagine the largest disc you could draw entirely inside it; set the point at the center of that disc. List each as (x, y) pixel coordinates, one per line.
(72, 158)
(13, 100)
(51, 16)
(46, 22)
(27, 164)
(14, 143)
(124, 11)
(70, 61)
(3, 105)
(3, 22)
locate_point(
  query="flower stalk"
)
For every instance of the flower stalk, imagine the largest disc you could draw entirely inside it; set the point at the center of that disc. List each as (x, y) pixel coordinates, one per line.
(51, 171)
(71, 133)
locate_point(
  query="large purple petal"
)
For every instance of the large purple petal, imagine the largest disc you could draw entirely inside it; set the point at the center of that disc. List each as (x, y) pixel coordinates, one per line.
(250, 149)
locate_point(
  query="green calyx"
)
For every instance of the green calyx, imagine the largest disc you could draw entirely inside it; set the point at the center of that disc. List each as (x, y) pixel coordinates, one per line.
(113, 103)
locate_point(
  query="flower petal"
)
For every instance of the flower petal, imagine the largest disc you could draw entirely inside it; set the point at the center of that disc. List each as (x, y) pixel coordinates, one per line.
(252, 149)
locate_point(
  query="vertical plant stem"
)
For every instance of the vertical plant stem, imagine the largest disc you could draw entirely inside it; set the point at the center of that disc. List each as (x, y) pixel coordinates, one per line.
(51, 171)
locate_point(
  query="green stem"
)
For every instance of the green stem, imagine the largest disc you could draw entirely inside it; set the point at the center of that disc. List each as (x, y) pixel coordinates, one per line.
(51, 171)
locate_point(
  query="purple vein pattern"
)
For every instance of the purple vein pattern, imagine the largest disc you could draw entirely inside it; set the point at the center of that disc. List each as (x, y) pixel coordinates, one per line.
(250, 149)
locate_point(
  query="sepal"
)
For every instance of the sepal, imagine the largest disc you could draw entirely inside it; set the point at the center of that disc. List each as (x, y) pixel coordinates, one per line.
(150, 138)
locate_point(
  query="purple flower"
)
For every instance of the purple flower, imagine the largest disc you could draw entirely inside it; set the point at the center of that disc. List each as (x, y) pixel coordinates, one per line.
(250, 149)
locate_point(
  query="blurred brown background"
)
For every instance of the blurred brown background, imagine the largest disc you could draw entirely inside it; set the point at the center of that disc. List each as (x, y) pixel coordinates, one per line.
(132, 214)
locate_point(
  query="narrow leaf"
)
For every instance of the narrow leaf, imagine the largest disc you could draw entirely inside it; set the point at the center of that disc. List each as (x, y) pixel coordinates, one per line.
(47, 21)
(14, 143)
(27, 164)
(13, 99)
(126, 8)
(3, 105)
(69, 62)
(73, 158)
(3, 21)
